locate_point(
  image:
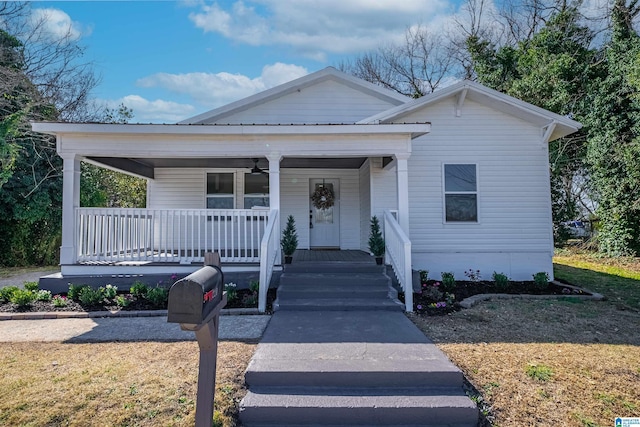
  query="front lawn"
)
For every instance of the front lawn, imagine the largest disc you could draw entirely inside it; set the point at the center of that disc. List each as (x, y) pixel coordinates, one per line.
(552, 362)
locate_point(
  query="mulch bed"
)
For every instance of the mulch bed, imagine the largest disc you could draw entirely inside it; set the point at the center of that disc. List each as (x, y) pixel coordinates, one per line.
(433, 301)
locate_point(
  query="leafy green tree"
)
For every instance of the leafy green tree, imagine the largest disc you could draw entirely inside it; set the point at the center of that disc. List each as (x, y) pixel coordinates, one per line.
(100, 187)
(614, 145)
(551, 69)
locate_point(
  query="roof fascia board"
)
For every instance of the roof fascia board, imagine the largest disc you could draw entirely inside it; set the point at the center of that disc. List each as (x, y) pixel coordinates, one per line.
(415, 129)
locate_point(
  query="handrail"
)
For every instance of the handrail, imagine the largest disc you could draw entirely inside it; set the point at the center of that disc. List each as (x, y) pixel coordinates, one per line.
(398, 251)
(269, 250)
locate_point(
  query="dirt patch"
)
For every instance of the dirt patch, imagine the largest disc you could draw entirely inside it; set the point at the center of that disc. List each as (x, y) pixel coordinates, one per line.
(144, 384)
(590, 350)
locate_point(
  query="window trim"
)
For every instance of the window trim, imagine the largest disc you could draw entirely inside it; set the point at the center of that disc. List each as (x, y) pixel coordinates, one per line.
(445, 192)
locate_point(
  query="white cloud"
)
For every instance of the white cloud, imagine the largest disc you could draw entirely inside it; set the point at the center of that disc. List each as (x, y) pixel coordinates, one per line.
(55, 24)
(216, 89)
(316, 27)
(158, 111)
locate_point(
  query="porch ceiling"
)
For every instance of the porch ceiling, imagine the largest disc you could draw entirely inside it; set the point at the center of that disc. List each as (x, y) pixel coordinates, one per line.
(145, 167)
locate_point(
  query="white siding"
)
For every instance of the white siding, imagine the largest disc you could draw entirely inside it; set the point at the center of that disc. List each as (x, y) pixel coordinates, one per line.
(177, 189)
(294, 200)
(384, 186)
(513, 191)
(365, 204)
(327, 102)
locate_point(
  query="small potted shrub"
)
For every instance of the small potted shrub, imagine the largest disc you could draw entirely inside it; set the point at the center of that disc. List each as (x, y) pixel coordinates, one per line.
(289, 241)
(376, 241)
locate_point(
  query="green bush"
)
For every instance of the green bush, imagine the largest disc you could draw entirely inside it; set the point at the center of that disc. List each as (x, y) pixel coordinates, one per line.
(139, 289)
(541, 280)
(110, 292)
(6, 292)
(74, 291)
(43, 295)
(22, 297)
(31, 286)
(250, 300)
(122, 301)
(230, 289)
(424, 276)
(254, 286)
(501, 280)
(158, 296)
(89, 296)
(448, 281)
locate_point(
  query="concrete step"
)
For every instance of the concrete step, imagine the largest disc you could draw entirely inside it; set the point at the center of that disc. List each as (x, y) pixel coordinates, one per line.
(333, 267)
(359, 406)
(286, 292)
(334, 279)
(352, 373)
(336, 304)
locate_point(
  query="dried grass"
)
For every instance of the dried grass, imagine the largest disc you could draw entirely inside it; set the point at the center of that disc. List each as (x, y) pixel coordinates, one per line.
(115, 384)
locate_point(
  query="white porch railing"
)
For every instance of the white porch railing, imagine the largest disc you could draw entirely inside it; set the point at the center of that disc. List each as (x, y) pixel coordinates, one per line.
(168, 235)
(398, 253)
(269, 250)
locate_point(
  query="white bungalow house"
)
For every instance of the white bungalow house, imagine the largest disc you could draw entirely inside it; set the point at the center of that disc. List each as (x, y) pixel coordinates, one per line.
(460, 178)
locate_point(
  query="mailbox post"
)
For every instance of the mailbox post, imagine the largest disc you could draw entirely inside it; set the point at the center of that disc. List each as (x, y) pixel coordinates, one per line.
(195, 303)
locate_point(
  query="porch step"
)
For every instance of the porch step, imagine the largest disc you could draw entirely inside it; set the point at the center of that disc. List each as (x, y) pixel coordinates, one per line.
(358, 406)
(335, 292)
(334, 267)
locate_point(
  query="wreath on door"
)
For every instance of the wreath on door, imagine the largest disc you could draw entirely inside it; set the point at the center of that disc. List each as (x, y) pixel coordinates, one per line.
(323, 197)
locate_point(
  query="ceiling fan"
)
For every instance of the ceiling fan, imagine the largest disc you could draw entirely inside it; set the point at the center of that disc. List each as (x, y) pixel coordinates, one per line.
(256, 170)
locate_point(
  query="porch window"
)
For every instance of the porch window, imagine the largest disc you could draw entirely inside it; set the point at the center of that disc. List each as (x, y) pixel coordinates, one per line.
(220, 191)
(256, 190)
(460, 193)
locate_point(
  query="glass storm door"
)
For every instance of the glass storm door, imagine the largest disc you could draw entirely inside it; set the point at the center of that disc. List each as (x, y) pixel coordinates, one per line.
(324, 222)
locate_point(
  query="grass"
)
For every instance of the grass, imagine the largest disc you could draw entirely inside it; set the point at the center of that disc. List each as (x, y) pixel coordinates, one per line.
(6, 272)
(570, 362)
(115, 384)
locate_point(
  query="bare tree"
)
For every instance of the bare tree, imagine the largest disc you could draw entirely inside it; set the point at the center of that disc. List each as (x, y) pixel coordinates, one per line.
(414, 68)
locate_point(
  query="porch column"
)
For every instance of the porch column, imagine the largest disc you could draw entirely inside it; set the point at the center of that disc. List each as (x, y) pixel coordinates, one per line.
(70, 201)
(274, 180)
(402, 172)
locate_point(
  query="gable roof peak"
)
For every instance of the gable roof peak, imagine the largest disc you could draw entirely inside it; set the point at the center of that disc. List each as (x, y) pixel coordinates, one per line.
(327, 73)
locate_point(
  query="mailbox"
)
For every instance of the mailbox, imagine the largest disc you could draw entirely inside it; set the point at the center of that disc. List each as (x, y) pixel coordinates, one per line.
(194, 298)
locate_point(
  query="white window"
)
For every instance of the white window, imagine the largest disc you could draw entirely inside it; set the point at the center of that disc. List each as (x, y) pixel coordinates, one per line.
(460, 193)
(256, 190)
(220, 191)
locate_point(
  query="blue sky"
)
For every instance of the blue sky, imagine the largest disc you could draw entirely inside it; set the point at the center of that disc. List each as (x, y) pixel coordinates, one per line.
(169, 60)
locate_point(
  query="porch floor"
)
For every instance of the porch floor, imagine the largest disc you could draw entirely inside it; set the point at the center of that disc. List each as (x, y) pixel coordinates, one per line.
(351, 256)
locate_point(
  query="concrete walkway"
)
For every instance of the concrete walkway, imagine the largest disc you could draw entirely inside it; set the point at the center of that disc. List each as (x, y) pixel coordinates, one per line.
(109, 329)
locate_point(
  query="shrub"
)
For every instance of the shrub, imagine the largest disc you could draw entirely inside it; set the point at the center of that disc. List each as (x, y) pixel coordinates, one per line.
(59, 301)
(501, 280)
(448, 281)
(139, 289)
(22, 297)
(158, 296)
(89, 296)
(541, 280)
(424, 276)
(110, 292)
(254, 286)
(230, 289)
(43, 295)
(31, 286)
(6, 292)
(122, 300)
(75, 290)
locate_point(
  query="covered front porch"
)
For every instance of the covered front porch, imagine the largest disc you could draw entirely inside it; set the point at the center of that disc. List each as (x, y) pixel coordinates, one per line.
(182, 222)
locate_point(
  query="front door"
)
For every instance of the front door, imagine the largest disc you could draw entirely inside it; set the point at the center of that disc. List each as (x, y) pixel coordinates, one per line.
(324, 213)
